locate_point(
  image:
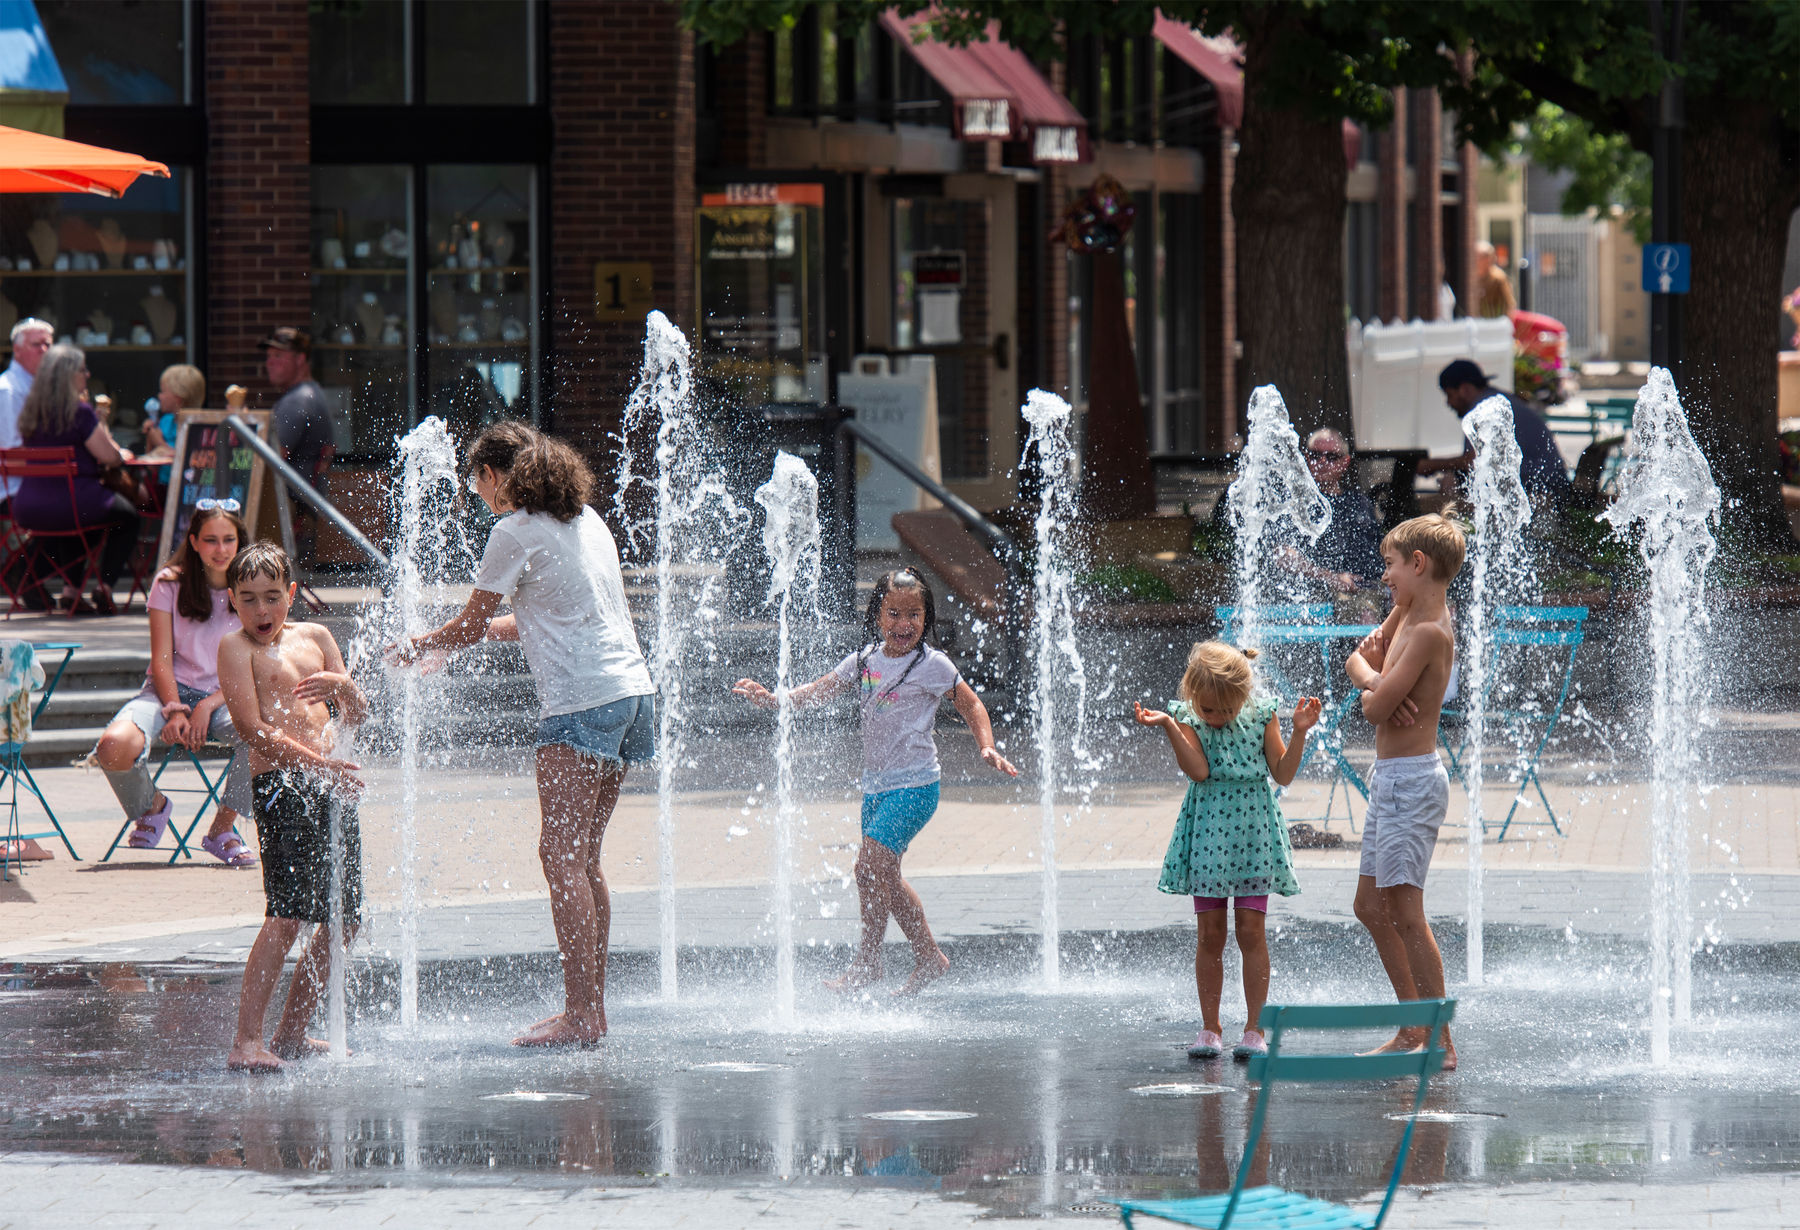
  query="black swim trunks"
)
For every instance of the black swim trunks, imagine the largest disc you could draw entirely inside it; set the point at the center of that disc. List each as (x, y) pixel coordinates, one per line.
(293, 816)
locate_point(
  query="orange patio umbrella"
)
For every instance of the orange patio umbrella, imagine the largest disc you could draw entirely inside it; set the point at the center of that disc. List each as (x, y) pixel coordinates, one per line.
(33, 162)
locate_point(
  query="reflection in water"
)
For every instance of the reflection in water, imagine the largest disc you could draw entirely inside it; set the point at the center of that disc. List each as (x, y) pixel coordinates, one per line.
(1072, 1098)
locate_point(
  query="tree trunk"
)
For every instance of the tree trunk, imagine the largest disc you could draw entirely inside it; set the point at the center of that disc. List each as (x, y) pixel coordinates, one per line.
(1116, 482)
(1736, 198)
(1288, 208)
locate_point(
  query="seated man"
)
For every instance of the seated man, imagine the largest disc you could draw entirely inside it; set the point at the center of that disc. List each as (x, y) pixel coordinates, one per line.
(1542, 469)
(1347, 556)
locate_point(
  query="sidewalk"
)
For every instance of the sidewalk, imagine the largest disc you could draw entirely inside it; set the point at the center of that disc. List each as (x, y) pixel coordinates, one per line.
(70, 1193)
(977, 864)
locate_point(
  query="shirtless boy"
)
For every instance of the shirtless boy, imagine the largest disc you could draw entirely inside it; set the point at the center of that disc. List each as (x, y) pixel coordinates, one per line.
(1402, 669)
(285, 683)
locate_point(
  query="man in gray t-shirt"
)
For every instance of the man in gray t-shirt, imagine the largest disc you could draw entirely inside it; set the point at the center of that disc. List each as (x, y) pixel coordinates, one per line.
(302, 420)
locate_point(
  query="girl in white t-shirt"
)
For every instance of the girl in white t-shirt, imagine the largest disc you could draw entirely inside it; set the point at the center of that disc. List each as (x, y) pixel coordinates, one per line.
(900, 680)
(190, 613)
(552, 557)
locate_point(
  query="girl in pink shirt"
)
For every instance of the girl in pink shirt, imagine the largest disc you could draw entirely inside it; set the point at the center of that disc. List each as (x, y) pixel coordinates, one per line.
(190, 613)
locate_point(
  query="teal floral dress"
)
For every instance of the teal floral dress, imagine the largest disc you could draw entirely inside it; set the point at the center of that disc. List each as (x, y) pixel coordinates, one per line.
(1229, 839)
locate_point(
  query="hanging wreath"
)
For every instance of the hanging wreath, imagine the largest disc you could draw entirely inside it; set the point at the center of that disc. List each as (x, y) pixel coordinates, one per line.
(1097, 222)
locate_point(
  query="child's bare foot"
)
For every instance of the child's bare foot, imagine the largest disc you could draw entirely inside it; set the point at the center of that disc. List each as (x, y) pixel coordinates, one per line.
(1414, 1039)
(924, 974)
(305, 1048)
(860, 974)
(562, 1030)
(253, 1057)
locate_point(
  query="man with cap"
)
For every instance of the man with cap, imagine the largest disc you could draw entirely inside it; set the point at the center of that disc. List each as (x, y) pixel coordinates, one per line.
(1542, 469)
(302, 419)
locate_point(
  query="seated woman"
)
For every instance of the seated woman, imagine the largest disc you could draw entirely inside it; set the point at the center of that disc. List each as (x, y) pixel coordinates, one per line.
(1346, 558)
(56, 412)
(190, 613)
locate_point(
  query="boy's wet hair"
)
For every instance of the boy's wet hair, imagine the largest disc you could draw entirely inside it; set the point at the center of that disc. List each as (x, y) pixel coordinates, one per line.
(1434, 536)
(1218, 672)
(261, 559)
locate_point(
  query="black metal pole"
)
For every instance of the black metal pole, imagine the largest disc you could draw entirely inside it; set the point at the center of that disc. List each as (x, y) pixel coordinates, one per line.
(303, 489)
(1665, 191)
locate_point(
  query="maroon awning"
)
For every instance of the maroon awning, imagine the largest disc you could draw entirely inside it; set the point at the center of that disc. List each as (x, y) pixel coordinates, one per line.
(998, 94)
(1219, 61)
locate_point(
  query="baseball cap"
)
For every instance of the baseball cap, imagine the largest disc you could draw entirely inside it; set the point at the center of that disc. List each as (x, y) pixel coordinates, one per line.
(287, 337)
(1462, 371)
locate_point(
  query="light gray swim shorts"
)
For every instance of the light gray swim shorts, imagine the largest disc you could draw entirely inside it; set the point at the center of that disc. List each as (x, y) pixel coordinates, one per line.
(1408, 796)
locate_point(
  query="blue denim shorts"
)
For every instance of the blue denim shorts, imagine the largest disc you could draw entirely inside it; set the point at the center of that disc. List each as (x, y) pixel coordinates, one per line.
(894, 817)
(618, 734)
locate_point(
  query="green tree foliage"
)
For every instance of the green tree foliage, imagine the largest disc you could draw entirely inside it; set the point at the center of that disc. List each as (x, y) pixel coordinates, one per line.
(1608, 170)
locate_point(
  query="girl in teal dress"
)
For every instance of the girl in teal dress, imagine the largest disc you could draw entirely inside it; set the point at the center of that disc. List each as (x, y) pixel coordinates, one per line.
(1229, 840)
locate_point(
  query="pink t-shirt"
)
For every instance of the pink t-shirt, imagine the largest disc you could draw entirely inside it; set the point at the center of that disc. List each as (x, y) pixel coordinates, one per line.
(196, 644)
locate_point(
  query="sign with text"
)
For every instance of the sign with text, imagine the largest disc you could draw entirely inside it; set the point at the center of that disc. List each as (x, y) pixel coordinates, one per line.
(623, 290)
(1667, 267)
(211, 463)
(899, 410)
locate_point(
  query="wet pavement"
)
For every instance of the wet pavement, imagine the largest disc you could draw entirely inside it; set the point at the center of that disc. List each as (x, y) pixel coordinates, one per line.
(989, 1096)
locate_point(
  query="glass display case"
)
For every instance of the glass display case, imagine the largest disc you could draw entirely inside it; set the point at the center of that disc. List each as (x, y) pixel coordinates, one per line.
(481, 294)
(112, 276)
(362, 296)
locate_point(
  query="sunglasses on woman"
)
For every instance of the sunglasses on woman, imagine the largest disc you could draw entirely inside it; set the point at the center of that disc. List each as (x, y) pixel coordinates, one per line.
(225, 505)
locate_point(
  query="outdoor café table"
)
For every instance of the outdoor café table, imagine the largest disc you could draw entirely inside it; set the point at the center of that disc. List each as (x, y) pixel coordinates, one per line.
(12, 759)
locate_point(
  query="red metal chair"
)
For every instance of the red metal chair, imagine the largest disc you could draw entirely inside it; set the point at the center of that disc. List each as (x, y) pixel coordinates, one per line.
(39, 561)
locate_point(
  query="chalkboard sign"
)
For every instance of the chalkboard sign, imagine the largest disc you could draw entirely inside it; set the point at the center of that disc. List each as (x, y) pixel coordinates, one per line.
(211, 463)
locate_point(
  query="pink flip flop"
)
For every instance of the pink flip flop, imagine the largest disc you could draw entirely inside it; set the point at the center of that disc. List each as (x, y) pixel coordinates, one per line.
(147, 829)
(229, 849)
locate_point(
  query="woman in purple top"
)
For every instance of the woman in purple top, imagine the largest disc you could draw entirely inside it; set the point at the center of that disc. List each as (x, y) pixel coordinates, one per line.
(57, 412)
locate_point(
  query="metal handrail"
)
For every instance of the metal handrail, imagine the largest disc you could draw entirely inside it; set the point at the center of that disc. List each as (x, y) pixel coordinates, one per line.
(305, 490)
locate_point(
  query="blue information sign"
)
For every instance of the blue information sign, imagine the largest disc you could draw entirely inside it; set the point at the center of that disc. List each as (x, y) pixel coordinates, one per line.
(1666, 268)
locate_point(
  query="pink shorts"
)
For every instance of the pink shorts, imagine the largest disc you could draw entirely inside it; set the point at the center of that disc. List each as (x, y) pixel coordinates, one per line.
(1259, 904)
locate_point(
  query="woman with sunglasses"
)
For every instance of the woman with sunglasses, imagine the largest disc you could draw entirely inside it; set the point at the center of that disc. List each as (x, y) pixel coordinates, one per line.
(1346, 559)
(190, 613)
(57, 412)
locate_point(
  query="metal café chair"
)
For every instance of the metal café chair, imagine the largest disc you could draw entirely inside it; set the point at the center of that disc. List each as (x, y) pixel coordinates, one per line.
(1560, 630)
(36, 559)
(1276, 1208)
(211, 790)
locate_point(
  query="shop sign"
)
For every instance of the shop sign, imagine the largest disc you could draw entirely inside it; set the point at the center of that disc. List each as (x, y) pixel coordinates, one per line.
(1056, 144)
(938, 269)
(623, 290)
(987, 117)
(765, 194)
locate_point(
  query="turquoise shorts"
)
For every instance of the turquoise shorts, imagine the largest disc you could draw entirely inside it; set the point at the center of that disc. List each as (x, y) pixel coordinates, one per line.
(894, 817)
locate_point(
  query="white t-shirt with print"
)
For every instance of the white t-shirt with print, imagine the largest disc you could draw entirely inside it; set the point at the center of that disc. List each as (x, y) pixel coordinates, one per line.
(899, 749)
(564, 583)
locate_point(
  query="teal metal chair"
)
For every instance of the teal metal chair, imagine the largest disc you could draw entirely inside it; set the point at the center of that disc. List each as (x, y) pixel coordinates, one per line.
(210, 789)
(1308, 624)
(1275, 1208)
(1559, 629)
(14, 770)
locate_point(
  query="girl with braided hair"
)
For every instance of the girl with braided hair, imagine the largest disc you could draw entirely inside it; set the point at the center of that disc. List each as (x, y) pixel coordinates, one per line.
(900, 680)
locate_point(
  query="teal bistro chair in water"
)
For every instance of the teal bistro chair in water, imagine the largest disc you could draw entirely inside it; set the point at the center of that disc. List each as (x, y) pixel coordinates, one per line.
(1275, 1208)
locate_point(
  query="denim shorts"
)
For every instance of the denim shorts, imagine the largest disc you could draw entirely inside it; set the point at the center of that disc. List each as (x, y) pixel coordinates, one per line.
(894, 817)
(619, 734)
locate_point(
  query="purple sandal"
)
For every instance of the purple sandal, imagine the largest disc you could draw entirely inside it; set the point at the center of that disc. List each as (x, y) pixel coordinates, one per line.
(147, 829)
(229, 849)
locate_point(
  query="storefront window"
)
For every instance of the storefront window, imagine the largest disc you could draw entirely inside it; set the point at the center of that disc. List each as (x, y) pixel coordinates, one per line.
(362, 279)
(120, 52)
(478, 52)
(112, 276)
(359, 53)
(762, 291)
(481, 292)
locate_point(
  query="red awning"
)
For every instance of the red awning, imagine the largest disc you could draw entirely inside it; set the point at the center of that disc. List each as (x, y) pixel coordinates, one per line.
(1219, 60)
(998, 94)
(1214, 59)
